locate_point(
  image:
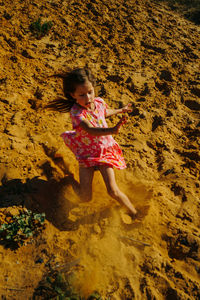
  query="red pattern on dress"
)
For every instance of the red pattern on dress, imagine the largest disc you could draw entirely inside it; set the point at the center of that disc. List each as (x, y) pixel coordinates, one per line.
(92, 150)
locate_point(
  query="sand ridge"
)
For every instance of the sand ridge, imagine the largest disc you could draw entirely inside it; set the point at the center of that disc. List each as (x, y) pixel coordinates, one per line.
(140, 52)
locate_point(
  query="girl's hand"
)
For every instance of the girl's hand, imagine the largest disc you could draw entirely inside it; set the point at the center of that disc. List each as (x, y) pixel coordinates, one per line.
(119, 124)
(127, 108)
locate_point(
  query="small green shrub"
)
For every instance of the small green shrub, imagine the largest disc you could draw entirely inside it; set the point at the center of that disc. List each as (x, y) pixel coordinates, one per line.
(38, 29)
(57, 286)
(21, 227)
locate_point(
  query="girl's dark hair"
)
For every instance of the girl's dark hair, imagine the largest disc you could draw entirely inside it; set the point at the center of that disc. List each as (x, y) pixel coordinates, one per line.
(70, 81)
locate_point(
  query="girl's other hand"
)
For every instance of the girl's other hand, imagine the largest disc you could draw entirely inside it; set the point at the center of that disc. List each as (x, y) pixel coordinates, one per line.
(127, 108)
(119, 124)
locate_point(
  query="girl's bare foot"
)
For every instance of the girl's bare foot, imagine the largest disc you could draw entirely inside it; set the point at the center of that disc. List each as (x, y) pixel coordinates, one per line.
(128, 217)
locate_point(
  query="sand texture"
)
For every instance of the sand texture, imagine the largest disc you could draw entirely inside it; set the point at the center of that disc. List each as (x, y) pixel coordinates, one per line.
(140, 52)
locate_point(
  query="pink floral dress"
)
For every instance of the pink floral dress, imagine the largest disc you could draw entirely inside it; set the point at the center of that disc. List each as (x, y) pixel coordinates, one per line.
(92, 150)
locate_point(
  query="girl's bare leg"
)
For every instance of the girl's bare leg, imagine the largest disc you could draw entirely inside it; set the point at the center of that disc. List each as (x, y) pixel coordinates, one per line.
(86, 176)
(113, 190)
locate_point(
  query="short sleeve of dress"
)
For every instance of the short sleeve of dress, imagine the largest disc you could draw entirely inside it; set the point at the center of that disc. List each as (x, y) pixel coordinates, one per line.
(103, 105)
(77, 116)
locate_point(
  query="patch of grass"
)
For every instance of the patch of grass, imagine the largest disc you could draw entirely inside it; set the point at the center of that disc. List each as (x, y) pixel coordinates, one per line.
(20, 228)
(39, 29)
(57, 286)
(190, 9)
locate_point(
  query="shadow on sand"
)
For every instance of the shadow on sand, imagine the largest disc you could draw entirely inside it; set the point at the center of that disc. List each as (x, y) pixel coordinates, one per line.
(56, 198)
(58, 195)
(40, 196)
(189, 9)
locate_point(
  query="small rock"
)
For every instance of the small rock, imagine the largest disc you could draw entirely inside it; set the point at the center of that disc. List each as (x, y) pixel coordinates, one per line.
(97, 228)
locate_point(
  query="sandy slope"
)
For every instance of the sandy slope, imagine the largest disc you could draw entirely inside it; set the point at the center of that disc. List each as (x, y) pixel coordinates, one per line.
(140, 52)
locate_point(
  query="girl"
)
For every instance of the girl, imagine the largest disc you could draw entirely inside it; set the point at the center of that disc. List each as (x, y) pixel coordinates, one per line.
(91, 140)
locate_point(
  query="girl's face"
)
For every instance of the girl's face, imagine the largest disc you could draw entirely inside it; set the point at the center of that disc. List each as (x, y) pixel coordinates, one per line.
(84, 95)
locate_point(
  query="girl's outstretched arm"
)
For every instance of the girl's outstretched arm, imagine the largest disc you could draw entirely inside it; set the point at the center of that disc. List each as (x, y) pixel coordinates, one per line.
(126, 108)
(99, 131)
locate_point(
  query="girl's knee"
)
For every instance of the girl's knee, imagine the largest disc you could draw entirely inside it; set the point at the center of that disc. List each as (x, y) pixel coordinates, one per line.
(114, 192)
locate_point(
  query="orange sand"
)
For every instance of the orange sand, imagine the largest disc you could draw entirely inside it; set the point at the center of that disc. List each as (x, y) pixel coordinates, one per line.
(140, 52)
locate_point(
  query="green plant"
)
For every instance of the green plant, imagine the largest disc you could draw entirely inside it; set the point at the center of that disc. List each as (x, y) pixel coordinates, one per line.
(21, 227)
(57, 286)
(38, 29)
